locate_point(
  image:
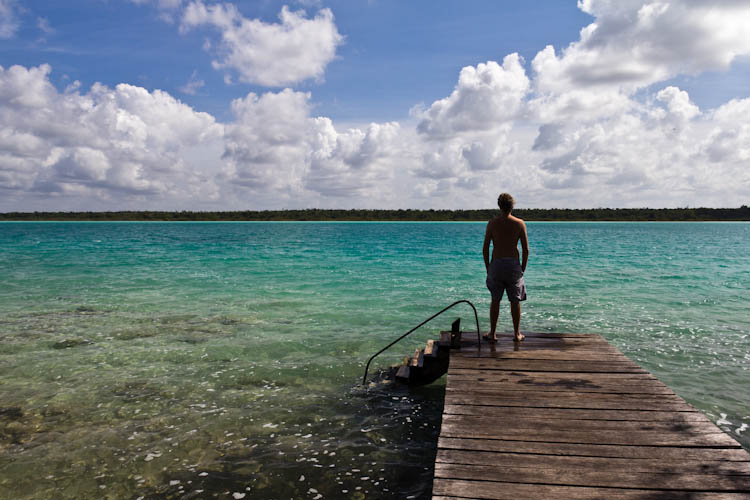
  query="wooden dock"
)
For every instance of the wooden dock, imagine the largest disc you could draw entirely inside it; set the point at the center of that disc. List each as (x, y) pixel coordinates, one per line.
(568, 416)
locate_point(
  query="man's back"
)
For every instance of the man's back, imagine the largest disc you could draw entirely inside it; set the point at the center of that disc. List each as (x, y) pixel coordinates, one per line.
(505, 232)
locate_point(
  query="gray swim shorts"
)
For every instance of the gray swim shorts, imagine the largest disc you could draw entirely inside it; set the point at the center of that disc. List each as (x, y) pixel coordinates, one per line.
(506, 274)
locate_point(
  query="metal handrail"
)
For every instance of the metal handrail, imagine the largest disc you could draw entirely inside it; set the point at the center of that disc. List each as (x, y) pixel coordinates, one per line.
(476, 317)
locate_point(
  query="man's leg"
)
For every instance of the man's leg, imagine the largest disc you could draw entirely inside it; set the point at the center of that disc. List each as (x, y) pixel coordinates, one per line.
(515, 312)
(494, 313)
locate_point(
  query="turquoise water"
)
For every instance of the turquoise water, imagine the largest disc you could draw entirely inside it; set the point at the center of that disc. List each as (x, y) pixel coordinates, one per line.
(202, 360)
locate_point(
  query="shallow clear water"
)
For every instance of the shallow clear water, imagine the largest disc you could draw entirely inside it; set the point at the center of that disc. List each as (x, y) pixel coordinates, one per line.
(192, 360)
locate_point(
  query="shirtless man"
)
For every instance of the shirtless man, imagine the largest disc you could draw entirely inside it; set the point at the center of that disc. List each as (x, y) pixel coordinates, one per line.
(505, 273)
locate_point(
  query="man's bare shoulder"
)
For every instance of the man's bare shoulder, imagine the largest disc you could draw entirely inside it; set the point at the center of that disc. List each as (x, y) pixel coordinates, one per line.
(516, 220)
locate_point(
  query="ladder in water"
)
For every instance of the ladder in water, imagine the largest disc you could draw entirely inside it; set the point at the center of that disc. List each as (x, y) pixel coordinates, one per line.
(431, 362)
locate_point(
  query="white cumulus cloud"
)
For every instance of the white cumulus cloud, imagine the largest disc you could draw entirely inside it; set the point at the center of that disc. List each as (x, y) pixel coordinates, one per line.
(352, 163)
(265, 146)
(678, 104)
(106, 144)
(269, 54)
(485, 96)
(274, 148)
(634, 43)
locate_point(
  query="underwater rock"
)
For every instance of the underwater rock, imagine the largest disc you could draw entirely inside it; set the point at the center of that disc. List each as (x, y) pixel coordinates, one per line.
(130, 335)
(15, 433)
(65, 344)
(53, 411)
(12, 412)
(192, 340)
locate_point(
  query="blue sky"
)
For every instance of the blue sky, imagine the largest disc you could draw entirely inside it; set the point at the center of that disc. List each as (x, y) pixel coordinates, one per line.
(396, 53)
(382, 104)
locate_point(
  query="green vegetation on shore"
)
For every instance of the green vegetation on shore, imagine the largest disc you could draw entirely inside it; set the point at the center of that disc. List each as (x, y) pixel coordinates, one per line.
(314, 214)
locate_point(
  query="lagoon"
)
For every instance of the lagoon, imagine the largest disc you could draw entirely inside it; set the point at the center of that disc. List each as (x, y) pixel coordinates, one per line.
(187, 360)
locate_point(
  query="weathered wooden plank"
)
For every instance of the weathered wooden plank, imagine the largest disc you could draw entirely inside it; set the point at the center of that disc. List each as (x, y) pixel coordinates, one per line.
(734, 453)
(580, 389)
(507, 341)
(598, 352)
(532, 424)
(599, 464)
(472, 335)
(468, 337)
(621, 479)
(504, 413)
(506, 353)
(481, 391)
(676, 425)
(494, 365)
(431, 348)
(488, 490)
(483, 395)
(471, 340)
(581, 385)
(599, 402)
(626, 438)
(544, 379)
(418, 359)
(501, 358)
(515, 375)
(550, 353)
(531, 342)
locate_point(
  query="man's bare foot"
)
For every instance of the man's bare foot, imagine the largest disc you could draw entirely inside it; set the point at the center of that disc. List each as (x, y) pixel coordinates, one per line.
(519, 337)
(489, 339)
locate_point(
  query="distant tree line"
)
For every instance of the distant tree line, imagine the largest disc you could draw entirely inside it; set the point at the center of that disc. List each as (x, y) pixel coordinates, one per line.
(315, 214)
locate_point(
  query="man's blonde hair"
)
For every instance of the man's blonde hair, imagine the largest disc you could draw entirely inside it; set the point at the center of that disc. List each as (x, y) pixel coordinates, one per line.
(505, 202)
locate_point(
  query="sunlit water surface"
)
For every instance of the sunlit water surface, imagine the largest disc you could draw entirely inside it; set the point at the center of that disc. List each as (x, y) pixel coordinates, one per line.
(201, 360)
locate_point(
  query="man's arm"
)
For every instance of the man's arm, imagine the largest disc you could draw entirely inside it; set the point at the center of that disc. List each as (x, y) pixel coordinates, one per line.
(524, 246)
(486, 246)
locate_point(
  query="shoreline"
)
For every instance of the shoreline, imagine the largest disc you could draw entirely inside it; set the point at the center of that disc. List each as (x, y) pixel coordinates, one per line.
(530, 221)
(741, 214)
